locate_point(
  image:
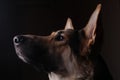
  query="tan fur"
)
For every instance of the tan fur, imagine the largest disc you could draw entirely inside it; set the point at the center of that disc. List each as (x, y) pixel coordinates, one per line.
(63, 53)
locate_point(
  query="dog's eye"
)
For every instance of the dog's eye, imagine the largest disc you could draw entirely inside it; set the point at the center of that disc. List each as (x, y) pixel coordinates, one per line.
(59, 38)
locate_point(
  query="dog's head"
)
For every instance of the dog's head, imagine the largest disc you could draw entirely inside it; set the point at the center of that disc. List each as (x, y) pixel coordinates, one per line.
(62, 50)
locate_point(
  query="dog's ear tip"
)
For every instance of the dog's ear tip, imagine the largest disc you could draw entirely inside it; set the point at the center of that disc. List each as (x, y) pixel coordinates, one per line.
(69, 19)
(99, 5)
(69, 24)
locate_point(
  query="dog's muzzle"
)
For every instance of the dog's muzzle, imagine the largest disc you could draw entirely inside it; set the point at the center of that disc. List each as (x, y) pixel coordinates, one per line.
(19, 41)
(28, 48)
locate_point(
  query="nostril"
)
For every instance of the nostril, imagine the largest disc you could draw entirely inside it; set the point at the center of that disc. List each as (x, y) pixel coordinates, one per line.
(19, 39)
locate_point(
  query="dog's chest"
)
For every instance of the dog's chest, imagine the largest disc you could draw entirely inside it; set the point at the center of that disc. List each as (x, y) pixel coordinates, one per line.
(53, 76)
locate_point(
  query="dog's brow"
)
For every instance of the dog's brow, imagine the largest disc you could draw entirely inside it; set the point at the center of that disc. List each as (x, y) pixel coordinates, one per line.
(59, 32)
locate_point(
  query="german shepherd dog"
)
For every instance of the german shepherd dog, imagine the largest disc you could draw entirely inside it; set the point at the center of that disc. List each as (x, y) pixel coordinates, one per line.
(64, 54)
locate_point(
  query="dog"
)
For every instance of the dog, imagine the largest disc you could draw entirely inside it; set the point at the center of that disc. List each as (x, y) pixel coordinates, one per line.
(64, 54)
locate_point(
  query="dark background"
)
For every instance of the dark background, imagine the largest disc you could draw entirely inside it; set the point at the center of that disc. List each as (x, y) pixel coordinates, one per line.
(44, 16)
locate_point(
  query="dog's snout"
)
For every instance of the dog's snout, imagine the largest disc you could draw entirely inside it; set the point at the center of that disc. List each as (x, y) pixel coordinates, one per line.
(19, 39)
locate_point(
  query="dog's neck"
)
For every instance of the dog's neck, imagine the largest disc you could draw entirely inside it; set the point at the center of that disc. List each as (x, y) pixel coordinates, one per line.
(88, 75)
(54, 76)
(74, 73)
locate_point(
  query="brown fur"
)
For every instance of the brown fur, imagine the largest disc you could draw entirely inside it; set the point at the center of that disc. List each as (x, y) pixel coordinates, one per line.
(63, 54)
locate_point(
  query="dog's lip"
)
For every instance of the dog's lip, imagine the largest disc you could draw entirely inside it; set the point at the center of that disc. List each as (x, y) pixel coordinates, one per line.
(20, 55)
(23, 58)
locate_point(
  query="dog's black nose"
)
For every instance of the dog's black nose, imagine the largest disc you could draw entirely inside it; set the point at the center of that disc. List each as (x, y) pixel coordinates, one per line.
(19, 39)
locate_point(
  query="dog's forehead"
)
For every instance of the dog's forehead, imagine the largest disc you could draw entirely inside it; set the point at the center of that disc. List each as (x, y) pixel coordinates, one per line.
(66, 32)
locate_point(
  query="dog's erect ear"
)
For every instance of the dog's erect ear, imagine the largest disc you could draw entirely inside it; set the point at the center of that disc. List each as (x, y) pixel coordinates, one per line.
(92, 23)
(69, 24)
(89, 30)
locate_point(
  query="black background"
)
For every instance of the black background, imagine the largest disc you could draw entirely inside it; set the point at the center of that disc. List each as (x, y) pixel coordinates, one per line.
(44, 16)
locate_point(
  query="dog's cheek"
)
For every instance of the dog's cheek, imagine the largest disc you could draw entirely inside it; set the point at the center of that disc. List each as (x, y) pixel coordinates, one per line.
(51, 60)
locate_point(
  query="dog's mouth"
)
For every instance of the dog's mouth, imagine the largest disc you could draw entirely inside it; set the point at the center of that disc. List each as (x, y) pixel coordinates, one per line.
(23, 58)
(19, 45)
(20, 54)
